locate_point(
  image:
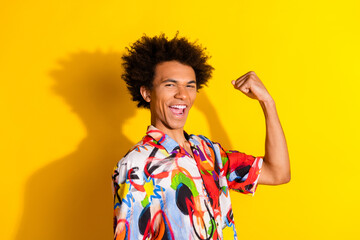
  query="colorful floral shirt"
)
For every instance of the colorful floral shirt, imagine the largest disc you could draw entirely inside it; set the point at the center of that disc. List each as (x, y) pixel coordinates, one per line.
(162, 192)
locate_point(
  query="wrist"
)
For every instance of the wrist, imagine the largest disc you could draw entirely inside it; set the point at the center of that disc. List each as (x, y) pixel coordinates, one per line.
(268, 102)
(268, 107)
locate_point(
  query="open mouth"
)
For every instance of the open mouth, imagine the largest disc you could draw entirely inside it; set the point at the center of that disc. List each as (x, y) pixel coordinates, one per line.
(178, 110)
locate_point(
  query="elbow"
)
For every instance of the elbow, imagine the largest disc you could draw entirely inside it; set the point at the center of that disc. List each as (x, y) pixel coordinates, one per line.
(284, 178)
(283, 175)
(277, 179)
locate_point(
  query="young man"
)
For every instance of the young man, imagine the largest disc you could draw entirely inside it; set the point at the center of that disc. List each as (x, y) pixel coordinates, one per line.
(172, 185)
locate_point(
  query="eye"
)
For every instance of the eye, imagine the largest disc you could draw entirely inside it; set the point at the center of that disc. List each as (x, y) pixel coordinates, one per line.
(169, 85)
(191, 86)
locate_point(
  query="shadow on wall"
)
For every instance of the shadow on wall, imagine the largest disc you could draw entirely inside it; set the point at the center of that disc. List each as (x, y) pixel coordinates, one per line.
(71, 198)
(217, 131)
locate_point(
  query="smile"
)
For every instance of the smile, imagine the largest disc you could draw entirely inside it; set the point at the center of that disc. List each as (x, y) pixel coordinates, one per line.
(178, 110)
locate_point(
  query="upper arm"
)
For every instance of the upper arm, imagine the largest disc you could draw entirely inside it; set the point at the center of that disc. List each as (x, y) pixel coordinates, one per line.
(243, 171)
(272, 175)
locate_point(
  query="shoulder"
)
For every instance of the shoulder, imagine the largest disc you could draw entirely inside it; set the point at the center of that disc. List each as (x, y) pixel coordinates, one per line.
(201, 139)
(207, 145)
(136, 155)
(133, 160)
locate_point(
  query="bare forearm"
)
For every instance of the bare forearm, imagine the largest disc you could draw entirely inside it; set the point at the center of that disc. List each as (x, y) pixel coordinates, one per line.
(276, 152)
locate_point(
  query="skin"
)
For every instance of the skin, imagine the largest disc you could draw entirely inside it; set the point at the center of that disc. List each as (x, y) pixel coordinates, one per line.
(276, 165)
(175, 84)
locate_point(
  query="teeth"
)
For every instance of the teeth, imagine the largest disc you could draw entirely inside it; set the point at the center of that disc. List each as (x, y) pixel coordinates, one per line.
(179, 106)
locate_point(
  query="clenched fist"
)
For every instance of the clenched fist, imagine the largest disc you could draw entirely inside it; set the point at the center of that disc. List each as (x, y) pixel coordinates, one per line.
(251, 86)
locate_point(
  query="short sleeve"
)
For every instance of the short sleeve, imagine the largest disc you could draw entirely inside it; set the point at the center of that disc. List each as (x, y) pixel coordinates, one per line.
(242, 171)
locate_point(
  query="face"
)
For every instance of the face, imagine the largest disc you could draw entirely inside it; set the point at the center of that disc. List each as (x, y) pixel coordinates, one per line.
(172, 95)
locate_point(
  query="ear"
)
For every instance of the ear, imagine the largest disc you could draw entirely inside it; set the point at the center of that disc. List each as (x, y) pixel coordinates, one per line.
(145, 93)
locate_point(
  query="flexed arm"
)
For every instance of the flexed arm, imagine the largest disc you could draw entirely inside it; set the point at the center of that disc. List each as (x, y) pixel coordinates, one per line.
(276, 165)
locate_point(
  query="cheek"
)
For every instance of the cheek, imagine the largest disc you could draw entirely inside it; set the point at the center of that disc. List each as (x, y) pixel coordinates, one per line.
(160, 104)
(193, 97)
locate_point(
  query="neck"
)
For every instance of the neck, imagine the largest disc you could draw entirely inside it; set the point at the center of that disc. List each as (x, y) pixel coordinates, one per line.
(176, 134)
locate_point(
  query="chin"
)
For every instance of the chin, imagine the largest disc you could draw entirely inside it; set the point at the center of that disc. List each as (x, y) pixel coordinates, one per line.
(176, 125)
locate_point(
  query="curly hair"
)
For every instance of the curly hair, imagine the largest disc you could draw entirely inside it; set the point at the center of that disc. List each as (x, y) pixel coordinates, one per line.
(143, 56)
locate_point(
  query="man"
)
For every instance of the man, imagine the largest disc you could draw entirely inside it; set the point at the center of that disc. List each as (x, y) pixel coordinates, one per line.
(172, 185)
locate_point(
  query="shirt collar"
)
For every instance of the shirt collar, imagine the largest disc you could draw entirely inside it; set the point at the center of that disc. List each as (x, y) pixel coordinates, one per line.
(167, 142)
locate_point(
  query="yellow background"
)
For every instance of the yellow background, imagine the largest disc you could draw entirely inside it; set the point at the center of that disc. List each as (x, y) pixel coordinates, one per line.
(67, 118)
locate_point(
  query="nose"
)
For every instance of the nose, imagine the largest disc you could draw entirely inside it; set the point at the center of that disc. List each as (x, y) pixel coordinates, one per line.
(181, 93)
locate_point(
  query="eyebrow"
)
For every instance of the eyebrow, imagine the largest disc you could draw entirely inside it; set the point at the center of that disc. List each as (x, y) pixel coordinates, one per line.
(175, 81)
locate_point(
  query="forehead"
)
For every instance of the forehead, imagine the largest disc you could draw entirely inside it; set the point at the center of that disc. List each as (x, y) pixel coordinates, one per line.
(174, 70)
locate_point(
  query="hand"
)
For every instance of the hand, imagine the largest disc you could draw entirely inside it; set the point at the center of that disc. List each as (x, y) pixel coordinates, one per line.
(251, 86)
